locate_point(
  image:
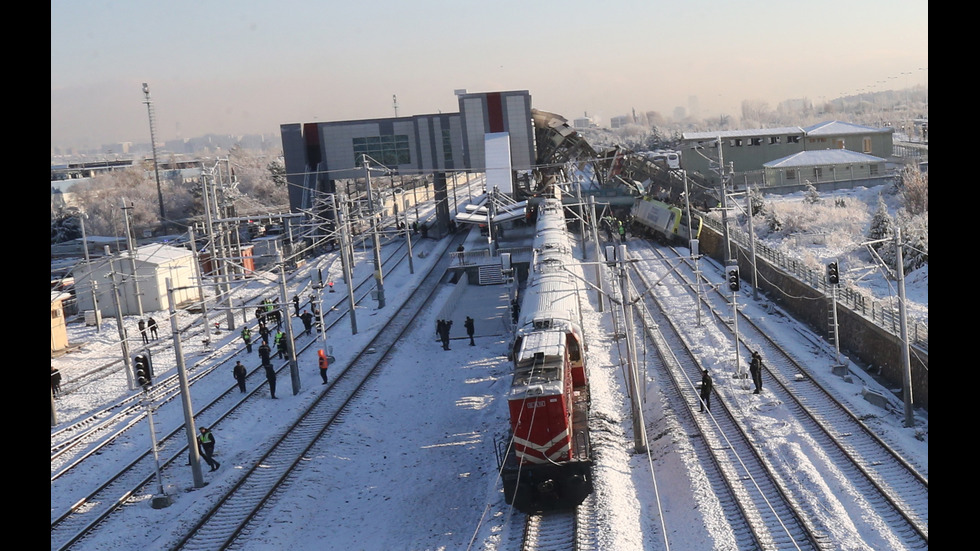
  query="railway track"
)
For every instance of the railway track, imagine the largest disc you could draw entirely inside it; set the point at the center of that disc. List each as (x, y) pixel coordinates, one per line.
(892, 485)
(229, 518)
(90, 507)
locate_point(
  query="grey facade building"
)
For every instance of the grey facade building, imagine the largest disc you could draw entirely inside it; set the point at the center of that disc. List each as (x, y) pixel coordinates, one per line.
(317, 155)
(826, 170)
(749, 150)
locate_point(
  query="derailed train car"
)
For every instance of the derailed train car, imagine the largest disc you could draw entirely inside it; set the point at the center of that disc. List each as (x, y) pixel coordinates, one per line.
(546, 462)
(662, 221)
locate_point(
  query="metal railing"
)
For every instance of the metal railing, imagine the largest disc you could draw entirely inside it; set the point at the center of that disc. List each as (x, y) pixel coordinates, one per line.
(877, 311)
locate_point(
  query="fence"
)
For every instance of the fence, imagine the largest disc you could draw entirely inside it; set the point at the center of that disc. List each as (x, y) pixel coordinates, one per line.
(877, 311)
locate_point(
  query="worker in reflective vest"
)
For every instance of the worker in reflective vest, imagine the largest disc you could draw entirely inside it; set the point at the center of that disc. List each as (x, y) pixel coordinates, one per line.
(324, 363)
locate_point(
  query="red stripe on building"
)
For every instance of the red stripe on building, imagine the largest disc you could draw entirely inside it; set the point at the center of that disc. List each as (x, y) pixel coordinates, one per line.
(495, 112)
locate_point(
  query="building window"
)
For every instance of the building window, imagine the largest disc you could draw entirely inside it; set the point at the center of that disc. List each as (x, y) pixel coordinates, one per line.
(735, 142)
(390, 151)
(790, 174)
(873, 169)
(792, 139)
(773, 140)
(755, 141)
(866, 145)
(817, 172)
(447, 146)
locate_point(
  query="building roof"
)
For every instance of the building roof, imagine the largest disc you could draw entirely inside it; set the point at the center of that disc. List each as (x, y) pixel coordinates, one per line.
(159, 253)
(823, 157)
(742, 133)
(838, 128)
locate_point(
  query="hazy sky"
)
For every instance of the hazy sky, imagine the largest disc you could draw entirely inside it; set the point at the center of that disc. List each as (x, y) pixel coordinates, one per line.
(243, 66)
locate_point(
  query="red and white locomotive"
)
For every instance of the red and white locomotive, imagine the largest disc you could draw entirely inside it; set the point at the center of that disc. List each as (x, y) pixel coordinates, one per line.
(547, 464)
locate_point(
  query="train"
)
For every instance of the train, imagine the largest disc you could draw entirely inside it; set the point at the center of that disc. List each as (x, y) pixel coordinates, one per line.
(546, 460)
(663, 221)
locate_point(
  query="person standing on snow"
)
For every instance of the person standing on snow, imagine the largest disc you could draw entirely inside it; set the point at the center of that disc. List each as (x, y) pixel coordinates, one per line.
(307, 321)
(247, 337)
(205, 443)
(265, 353)
(240, 374)
(755, 368)
(324, 364)
(706, 385)
(270, 375)
(151, 324)
(470, 329)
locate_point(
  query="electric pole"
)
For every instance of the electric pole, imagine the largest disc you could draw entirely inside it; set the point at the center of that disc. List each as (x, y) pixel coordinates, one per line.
(906, 360)
(123, 339)
(153, 146)
(132, 257)
(378, 275)
(95, 298)
(185, 393)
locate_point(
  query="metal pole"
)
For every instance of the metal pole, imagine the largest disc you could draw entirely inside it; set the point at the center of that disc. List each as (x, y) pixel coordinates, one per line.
(91, 279)
(132, 257)
(724, 204)
(455, 202)
(639, 440)
(293, 366)
(738, 364)
(906, 360)
(200, 288)
(342, 224)
(693, 245)
(378, 275)
(153, 146)
(581, 218)
(415, 198)
(123, 340)
(225, 248)
(598, 257)
(153, 445)
(408, 241)
(755, 271)
(833, 303)
(185, 393)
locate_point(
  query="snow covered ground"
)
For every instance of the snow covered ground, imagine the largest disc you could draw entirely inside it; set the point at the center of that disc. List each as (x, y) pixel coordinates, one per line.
(412, 466)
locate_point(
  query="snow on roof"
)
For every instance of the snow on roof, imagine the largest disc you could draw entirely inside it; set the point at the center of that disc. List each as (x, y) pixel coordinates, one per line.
(823, 157)
(837, 128)
(159, 253)
(742, 133)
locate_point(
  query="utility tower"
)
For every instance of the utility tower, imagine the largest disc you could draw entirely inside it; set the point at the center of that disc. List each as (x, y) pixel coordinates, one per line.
(394, 103)
(153, 146)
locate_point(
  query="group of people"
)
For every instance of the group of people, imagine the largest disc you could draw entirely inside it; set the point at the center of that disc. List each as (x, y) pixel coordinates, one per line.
(443, 327)
(755, 370)
(150, 324)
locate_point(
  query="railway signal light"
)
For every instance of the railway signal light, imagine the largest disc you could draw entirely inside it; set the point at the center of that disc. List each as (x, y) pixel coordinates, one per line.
(733, 281)
(143, 370)
(833, 276)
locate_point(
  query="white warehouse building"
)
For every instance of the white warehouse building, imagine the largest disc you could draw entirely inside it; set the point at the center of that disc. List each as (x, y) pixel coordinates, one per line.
(155, 263)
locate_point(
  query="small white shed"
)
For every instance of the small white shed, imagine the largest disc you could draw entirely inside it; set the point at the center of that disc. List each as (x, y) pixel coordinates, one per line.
(154, 264)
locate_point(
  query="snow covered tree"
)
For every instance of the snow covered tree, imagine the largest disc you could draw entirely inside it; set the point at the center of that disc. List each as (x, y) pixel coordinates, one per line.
(915, 190)
(757, 203)
(811, 196)
(881, 224)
